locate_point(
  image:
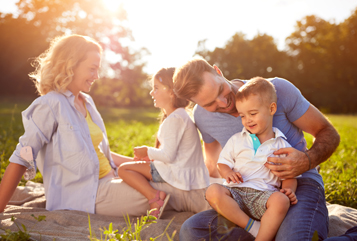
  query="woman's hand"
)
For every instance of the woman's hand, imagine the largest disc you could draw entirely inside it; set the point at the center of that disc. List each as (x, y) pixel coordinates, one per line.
(290, 194)
(140, 151)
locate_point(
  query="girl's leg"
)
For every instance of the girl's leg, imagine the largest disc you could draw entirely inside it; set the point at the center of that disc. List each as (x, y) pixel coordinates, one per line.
(222, 201)
(120, 159)
(277, 206)
(137, 175)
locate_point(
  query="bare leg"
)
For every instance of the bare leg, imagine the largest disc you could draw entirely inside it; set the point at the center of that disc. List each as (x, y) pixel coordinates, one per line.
(120, 159)
(137, 175)
(222, 201)
(277, 206)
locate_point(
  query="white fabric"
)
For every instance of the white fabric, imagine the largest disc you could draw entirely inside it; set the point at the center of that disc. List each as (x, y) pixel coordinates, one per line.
(63, 150)
(179, 159)
(239, 155)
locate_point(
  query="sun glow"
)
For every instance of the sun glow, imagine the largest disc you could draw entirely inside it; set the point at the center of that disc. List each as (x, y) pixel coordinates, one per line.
(112, 5)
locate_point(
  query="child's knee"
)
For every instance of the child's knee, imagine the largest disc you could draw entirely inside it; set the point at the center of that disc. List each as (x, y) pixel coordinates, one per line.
(280, 201)
(121, 169)
(213, 192)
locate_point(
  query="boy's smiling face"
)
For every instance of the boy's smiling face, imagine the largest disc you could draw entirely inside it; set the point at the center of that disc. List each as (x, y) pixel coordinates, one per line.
(257, 116)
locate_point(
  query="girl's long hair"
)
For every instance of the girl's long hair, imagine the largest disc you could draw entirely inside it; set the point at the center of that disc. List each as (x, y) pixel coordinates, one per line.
(164, 76)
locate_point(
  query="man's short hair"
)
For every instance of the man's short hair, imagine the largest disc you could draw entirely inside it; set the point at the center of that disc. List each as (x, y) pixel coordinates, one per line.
(257, 86)
(188, 78)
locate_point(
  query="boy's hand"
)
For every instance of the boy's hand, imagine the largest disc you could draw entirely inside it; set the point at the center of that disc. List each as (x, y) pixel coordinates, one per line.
(140, 151)
(232, 176)
(291, 195)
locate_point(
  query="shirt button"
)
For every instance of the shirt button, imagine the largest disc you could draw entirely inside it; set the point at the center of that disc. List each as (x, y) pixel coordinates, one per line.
(255, 139)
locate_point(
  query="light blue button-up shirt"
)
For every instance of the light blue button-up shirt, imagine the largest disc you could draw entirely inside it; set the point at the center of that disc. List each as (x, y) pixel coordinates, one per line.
(63, 150)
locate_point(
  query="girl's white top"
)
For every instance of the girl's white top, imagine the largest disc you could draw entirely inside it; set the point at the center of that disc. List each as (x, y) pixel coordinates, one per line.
(179, 159)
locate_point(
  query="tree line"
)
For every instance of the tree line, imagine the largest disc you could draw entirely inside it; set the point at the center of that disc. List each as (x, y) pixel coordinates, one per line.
(321, 60)
(320, 56)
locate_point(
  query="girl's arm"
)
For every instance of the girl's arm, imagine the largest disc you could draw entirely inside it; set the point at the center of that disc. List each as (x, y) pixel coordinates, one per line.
(172, 131)
(9, 183)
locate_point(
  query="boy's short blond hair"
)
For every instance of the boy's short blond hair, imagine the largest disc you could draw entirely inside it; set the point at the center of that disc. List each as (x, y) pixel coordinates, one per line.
(258, 86)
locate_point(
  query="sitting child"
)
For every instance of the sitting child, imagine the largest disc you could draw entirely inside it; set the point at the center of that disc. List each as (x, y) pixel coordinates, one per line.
(251, 191)
(177, 157)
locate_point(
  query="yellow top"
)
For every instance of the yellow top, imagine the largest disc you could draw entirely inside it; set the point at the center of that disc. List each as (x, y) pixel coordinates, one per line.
(97, 137)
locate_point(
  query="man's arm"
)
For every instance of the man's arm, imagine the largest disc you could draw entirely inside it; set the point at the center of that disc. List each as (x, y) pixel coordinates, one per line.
(212, 151)
(325, 143)
(9, 183)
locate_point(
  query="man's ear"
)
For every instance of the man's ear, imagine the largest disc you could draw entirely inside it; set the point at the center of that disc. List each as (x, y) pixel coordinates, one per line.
(217, 70)
(272, 108)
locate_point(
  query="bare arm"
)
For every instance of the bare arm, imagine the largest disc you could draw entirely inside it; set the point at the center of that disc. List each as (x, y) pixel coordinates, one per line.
(11, 179)
(289, 188)
(296, 162)
(119, 159)
(228, 174)
(326, 136)
(211, 151)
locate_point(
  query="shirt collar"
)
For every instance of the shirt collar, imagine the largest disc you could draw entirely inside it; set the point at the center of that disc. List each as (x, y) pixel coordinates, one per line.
(70, 95)
(277, 132)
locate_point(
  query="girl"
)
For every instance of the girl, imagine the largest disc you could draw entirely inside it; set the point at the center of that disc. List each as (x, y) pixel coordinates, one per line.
(177, 158)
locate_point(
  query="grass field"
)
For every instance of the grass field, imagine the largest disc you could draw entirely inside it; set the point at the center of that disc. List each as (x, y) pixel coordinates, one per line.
(129, 128)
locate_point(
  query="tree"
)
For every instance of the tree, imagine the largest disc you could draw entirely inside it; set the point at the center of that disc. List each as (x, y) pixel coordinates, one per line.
(244, 59)
(324, 57)
(45, 19)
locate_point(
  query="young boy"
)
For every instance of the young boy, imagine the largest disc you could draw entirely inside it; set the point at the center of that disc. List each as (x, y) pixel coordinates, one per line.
(251, 191)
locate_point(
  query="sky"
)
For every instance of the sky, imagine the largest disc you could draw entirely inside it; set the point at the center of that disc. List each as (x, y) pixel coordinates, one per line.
(170, 30)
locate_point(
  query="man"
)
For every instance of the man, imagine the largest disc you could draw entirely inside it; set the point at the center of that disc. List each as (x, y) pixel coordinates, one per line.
(217, 119)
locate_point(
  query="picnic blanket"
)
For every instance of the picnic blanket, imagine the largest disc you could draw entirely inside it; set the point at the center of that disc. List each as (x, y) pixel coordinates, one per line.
(73, 225)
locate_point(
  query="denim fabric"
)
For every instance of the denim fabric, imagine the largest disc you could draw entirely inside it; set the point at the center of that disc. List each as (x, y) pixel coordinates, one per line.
(350, 235)
(308, 215)
(155, 175)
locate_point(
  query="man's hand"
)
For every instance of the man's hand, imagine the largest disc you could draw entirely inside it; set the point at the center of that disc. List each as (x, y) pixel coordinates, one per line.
(290, 194)
(293, 164)
(233, 176)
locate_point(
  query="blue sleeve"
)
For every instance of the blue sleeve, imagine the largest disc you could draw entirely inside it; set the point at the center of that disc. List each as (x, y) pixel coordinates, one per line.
(199, 119)
(39, 124)
(290, 99)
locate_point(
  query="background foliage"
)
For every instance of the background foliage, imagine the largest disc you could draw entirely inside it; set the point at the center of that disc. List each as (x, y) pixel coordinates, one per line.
(320, 56)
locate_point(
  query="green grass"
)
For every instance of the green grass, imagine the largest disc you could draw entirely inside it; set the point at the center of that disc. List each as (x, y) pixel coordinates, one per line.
(128, 128)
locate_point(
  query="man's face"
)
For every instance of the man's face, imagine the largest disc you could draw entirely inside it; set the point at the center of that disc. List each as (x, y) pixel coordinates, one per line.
(216, 94)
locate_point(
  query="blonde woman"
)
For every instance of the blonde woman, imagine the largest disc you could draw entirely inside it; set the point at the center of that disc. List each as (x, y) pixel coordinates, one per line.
(65, 138)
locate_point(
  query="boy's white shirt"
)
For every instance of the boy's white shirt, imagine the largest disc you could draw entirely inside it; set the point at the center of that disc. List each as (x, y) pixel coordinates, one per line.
(240, 156)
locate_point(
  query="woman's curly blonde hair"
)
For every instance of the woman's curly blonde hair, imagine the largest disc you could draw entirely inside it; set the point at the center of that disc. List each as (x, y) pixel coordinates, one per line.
(54, 67)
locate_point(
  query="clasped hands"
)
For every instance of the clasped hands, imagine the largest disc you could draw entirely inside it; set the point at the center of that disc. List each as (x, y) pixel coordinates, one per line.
(141, 154)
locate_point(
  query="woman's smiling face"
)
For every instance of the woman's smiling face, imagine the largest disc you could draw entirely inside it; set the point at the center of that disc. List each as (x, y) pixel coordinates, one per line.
(85, 73)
